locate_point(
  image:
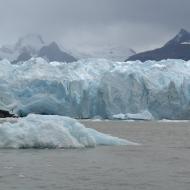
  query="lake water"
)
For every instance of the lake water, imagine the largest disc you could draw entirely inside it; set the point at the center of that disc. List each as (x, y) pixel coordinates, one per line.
(162, 162)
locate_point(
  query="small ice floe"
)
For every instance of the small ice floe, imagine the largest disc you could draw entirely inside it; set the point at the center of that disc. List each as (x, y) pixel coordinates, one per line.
(173, 121)
(143, 115)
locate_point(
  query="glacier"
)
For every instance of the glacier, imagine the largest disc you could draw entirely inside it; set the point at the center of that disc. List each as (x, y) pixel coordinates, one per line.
(52, 131)
(97, 88)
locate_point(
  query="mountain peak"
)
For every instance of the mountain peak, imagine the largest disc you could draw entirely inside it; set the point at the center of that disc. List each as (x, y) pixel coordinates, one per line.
(53, 45)
(182, 37)
(30, 37)
(30, 41)
(177, 48)
(183, 31)
(52, 52)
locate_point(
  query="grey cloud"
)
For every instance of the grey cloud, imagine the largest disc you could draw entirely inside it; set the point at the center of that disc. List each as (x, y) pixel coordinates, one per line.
(140, 24)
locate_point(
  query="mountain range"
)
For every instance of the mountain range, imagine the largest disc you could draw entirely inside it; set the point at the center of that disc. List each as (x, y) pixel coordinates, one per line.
(33, 45)
(176, 48)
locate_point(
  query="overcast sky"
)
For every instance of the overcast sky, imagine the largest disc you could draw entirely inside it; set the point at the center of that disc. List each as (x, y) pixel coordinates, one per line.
(139, 24)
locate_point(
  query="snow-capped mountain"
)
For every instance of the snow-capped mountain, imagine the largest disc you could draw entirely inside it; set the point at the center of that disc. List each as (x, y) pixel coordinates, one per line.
(33, 45)
(176, 48)
(182, 37)
(29, 44)
(110, 52)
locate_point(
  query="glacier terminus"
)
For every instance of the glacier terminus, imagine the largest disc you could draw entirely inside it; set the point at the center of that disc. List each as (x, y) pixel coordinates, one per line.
(97, 87)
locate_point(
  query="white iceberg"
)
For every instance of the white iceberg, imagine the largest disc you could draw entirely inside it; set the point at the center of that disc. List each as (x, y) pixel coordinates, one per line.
(39, 131)
(143, 115)
(119, 116)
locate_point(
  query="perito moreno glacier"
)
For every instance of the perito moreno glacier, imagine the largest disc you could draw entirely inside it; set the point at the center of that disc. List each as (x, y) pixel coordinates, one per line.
(97, 87)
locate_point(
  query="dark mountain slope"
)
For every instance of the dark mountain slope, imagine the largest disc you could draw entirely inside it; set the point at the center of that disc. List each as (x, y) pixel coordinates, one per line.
(177, 48)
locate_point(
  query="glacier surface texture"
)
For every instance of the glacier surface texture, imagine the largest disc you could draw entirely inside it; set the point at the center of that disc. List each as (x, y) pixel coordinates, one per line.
(97, 87)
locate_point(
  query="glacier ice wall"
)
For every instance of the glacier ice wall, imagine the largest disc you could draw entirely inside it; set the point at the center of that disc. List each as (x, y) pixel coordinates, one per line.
(97, 87)
(39, 131)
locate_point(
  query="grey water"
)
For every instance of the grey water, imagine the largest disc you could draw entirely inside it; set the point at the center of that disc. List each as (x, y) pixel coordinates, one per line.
(162, 162)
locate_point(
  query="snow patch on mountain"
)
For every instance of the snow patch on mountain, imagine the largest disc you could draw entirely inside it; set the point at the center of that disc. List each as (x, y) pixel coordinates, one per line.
(176, 48)
(110, 52)
(181, 37)
(30, 43)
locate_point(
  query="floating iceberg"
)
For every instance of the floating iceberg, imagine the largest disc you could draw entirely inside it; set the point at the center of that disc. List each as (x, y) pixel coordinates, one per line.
(91, 87)
(39, 131)
(144, 115)
(119, 116)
